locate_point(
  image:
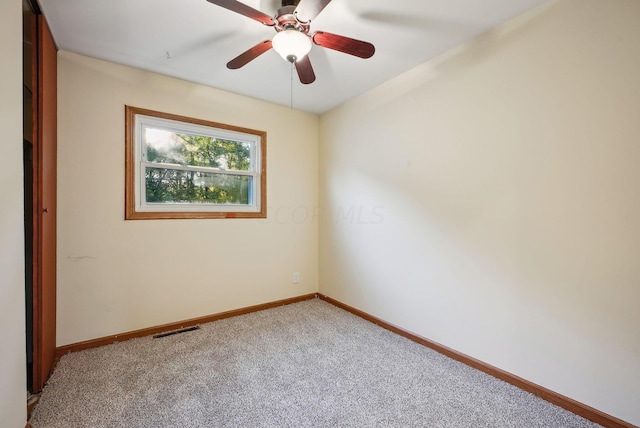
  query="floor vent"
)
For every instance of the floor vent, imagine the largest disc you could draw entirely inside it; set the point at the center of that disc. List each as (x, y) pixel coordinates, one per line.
(171, 333)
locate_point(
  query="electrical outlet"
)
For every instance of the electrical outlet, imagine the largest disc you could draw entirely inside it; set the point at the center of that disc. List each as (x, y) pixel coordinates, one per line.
(296, 277)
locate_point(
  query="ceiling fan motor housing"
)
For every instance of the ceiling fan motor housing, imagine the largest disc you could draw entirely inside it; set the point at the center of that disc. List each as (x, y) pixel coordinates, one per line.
(286, 20)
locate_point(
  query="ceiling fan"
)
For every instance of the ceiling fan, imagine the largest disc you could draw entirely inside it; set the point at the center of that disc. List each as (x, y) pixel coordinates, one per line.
(292, 40)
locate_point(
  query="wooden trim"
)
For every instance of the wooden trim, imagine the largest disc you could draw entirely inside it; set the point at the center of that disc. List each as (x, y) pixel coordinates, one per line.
(36, 242)
(129, 163)
(94, 343)
(566, 403)
(35, 7)
(130, 212)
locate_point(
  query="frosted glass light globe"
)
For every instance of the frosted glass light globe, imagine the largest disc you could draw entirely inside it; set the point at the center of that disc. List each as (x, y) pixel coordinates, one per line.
(291, 44)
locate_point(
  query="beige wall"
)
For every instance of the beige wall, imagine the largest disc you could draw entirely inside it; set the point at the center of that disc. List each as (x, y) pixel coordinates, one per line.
(489, 200)
(13, 385)
(115, 275)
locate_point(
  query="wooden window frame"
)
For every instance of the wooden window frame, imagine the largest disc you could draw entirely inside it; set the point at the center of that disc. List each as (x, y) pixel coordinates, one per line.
(131, 213)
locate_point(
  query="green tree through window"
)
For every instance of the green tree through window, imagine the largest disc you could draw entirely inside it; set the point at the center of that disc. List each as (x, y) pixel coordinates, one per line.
(180, 186)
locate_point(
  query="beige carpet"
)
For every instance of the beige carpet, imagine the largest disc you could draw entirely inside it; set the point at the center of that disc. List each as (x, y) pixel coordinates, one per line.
(309, 364)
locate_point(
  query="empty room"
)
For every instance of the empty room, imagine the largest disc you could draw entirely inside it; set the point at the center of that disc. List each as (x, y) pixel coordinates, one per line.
(270, 213)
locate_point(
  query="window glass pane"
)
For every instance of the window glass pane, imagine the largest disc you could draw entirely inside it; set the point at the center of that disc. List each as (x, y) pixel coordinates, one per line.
(163, 146)
(164, 185)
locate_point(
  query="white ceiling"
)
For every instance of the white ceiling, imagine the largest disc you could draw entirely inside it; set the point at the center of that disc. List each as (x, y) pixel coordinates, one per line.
(194, 39)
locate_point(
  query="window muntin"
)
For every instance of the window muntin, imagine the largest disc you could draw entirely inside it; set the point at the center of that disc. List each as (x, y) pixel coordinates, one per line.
(181, 167)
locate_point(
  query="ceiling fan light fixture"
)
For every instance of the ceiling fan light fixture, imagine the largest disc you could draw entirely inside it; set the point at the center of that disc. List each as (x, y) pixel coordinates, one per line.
(291, 44)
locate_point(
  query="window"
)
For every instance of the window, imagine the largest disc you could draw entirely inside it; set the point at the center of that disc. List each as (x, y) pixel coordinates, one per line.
(179, 167)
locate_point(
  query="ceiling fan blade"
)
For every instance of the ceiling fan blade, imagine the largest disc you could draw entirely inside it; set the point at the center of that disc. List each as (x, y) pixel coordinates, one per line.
(344, 44)
(307, 10)
(305, 70)
(243, 9)
(249, 55)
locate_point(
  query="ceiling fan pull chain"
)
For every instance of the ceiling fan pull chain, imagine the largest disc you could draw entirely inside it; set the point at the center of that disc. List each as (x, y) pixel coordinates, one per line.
(291, 88)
